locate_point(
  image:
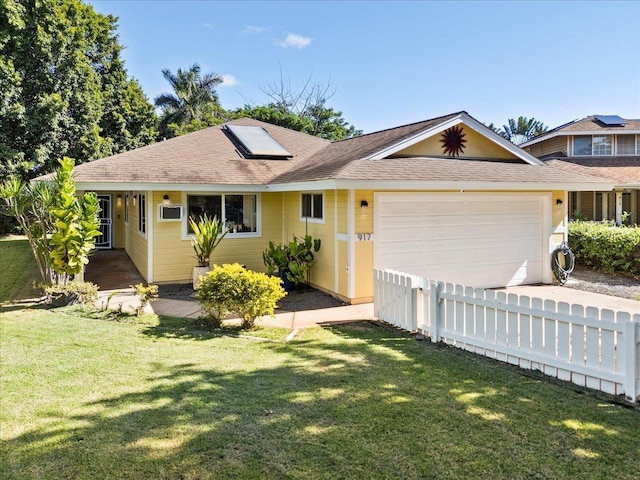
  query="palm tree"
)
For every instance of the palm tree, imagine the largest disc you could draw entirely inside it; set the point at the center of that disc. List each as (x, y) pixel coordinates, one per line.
(192, 94)
(521, 130)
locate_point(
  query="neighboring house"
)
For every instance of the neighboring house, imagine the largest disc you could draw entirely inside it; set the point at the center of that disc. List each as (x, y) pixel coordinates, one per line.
(605, 146)
(446, 198)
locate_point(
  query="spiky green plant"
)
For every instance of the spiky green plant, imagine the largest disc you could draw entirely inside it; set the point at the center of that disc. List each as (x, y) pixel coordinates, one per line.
(207, 234)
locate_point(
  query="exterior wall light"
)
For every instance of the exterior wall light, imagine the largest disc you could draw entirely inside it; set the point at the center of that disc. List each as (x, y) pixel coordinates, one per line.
(166, 199)
(558, 201)
(119, 200)
(364, 205)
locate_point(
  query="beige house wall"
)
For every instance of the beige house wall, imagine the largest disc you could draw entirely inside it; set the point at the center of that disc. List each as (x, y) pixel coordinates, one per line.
(477, 146)
(553, 145)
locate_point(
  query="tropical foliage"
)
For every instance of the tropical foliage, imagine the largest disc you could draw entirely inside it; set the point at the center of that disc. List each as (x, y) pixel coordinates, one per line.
(520, 130)
(64, 90)
(292, 260)
(60, 225)
(193, 100)
(207, 234)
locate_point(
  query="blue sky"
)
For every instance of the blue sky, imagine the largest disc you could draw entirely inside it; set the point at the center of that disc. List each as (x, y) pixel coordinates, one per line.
(393, 63)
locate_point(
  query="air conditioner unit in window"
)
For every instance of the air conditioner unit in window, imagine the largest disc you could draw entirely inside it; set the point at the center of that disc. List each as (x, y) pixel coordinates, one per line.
(170, 212)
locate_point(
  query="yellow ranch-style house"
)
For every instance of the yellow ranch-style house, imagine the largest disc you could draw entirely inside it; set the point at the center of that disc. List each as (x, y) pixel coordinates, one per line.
(446, 198)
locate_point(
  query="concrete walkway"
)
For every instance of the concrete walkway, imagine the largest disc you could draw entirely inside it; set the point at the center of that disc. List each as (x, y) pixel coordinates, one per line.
(171, 307)
(573, 296)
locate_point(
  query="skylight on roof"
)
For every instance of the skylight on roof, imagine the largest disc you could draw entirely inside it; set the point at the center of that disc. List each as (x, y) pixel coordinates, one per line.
(255, 142)
(611, 120)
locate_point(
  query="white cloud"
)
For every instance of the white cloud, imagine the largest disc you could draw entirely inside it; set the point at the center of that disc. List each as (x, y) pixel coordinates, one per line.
(208, 26)
(254, 29)
(228, 80)
(294, 40)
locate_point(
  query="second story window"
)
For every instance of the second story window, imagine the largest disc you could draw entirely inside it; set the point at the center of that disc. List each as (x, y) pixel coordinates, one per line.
(597, 145)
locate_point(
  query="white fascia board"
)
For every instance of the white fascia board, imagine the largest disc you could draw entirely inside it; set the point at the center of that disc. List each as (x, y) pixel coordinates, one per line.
(501, 141)
(449, 186)
(571, 133)
(157, 187)
(429, 132)
(303, 186)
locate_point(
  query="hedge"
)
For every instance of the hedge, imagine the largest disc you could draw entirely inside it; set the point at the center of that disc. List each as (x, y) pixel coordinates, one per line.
(606, 247)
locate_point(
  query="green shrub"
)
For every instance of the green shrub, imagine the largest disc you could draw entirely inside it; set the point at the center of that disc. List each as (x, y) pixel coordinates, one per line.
(145, 294)
(606, 247)
(72, 293)
(294, 258)
(231, 288)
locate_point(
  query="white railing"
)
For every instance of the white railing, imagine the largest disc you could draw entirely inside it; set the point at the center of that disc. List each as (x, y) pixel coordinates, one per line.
(595, 348)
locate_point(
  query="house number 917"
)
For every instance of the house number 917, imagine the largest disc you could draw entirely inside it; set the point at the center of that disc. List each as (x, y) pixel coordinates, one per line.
(364, 237)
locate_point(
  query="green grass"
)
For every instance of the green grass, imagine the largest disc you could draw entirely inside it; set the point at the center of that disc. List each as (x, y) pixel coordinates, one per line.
(18, 270)
(87, 398)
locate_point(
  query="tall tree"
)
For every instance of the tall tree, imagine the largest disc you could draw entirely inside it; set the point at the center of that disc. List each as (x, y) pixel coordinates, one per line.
(303, 110)
(194, 99)
(63, 87)
(520, 130)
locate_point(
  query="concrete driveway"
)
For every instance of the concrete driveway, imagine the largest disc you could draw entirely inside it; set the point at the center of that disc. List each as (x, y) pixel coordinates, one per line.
(574, 296)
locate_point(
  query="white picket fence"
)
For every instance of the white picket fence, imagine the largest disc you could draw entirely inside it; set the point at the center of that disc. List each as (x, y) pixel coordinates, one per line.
(595, 348)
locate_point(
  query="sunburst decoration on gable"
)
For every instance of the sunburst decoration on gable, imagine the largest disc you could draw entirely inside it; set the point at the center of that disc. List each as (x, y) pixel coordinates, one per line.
(453, 141)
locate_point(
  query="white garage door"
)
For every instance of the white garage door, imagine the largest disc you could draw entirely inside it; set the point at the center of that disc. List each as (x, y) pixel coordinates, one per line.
(479, 240)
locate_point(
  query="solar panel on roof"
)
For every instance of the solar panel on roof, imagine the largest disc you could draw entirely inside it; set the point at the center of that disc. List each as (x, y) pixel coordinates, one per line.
(256, 142)
(611, 120)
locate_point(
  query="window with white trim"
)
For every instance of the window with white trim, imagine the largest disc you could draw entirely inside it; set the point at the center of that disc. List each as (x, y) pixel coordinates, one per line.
(312, 206)
(142, 213)
(240, 211)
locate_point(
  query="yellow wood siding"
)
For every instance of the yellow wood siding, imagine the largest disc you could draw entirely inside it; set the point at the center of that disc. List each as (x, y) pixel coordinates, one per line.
(553, 145)
(477, 146)
(136, 243)
(342, 199)
(323, 272)
(343, 261)
(174, 256)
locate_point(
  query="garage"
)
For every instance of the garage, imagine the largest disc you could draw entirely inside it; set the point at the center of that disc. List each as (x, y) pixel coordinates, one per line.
(474, 239)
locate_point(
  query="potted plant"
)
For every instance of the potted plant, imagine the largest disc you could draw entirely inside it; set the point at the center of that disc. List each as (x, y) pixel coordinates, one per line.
(207, 234)
(291, 261)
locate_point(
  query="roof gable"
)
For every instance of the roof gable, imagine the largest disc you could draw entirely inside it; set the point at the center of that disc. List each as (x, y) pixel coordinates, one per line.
(481, 142)
(588, 126)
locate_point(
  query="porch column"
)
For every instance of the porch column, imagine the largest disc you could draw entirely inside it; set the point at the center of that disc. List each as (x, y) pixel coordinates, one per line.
(618, 207)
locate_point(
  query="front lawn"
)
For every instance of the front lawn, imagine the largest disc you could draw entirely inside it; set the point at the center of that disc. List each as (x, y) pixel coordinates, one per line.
(85, 398)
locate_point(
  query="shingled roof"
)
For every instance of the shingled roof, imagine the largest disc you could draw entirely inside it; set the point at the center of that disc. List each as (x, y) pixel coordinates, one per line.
(622, 170)
(209, 157)
(204, 157)
(588, 124)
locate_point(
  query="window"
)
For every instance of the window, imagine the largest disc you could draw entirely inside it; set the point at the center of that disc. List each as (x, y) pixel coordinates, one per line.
(592, 145)
(142, 213)
(239, 211)
(126, 208)
(312, 206)
(627, 145)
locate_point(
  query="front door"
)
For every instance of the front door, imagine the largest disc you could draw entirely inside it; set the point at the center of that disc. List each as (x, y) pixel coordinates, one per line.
(104, 240)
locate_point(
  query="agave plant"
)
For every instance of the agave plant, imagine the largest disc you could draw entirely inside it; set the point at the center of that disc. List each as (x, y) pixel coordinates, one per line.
(207, 234)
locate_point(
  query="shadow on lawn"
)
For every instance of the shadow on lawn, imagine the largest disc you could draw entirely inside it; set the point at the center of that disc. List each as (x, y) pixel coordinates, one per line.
(363, 402)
